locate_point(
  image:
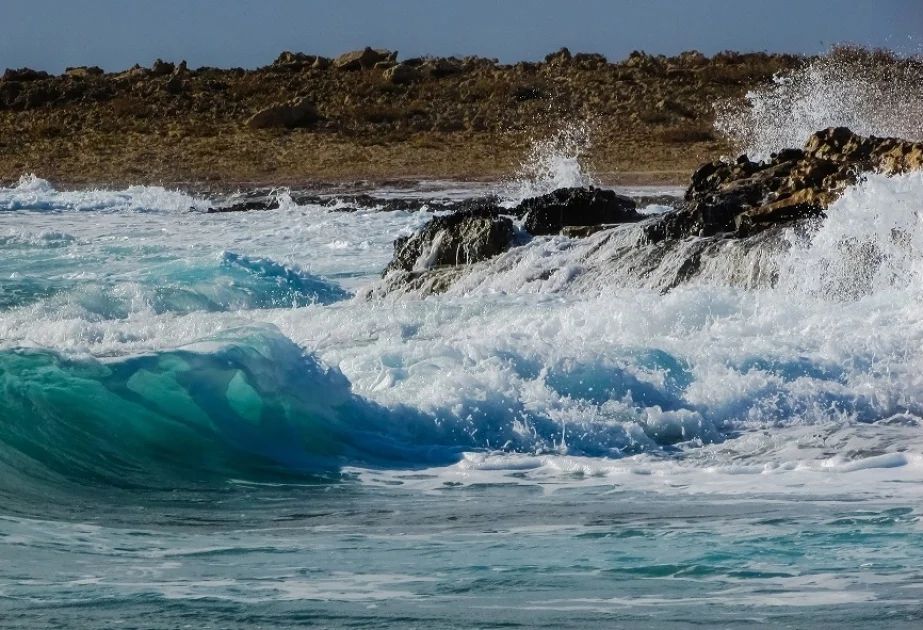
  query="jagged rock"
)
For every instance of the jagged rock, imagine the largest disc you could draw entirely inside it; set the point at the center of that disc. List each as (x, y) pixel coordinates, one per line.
(24, 74)
(401, 74)
(294, 61)
(134, 72)
(559, 58)
(456, 239)
(591, 60)
(746, 197)
(297, 113)
(176, 83)
(162, 68)
(363, 59)
(575, 207)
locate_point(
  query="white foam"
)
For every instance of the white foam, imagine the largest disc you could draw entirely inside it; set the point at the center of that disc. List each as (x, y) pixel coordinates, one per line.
(833, 91)
(792, 375)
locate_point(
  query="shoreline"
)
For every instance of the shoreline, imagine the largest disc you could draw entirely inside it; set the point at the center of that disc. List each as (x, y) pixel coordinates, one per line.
(641, 179)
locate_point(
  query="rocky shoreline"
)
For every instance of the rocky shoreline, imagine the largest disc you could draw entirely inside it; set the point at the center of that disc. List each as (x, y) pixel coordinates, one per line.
(729, 210)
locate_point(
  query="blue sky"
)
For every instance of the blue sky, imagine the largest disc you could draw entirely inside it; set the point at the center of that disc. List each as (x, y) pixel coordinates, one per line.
(114, 34)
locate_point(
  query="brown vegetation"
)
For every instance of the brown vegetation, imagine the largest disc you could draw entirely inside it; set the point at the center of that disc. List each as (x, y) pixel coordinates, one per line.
(371, 117)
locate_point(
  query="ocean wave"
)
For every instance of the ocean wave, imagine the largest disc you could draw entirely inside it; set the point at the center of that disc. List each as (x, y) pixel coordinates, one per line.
(250, 404)
(246, 404)
(234, 282)
(32, 193)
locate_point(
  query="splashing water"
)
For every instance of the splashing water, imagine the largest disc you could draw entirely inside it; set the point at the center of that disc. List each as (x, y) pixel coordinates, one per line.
(553, 162)
(197, 422)
(871, 245)
(847, 88)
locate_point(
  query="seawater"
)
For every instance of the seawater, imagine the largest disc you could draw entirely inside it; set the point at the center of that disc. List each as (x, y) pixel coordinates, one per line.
(202, 425)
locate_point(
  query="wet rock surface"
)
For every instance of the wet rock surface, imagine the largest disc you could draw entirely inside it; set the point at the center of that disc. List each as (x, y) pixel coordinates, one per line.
(731, 211)
(742, 198)
(462, 238)
(575, 207)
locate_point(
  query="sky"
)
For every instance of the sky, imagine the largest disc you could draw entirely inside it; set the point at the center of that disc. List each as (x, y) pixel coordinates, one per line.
(115, 34)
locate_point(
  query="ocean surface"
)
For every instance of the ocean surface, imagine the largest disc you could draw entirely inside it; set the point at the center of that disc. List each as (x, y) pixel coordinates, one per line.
(204, 424)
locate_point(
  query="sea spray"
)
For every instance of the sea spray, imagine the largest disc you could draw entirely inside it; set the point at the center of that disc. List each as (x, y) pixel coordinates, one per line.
(872, 93)
(554, 161)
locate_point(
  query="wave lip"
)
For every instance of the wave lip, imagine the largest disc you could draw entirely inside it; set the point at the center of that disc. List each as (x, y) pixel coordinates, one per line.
(249, 403)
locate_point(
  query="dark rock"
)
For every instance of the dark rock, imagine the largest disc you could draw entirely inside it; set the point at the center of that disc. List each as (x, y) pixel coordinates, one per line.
(24, 74)
(246, 206)
(590, 60)
(297, 113)
(457, 239)
(559, 58)
(162, 68)
(527, 93)
(550, 213)
(351, 203)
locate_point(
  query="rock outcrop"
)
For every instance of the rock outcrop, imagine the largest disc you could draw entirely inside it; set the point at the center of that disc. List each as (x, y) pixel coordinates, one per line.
(432, 258)
(575, 207)
(742, 198)
(730, 211)
(363, 59)
(457, 239)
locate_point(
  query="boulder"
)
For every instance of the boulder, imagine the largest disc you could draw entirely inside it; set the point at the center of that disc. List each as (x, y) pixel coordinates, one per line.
(297, 113)
(363, 59)
(575, 207)
(401, 74)
(743, 197)
(457, 239)
(295, 62)
(135, 72)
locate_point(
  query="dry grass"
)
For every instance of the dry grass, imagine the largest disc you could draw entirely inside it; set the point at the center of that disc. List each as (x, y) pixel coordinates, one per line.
(649, 114)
